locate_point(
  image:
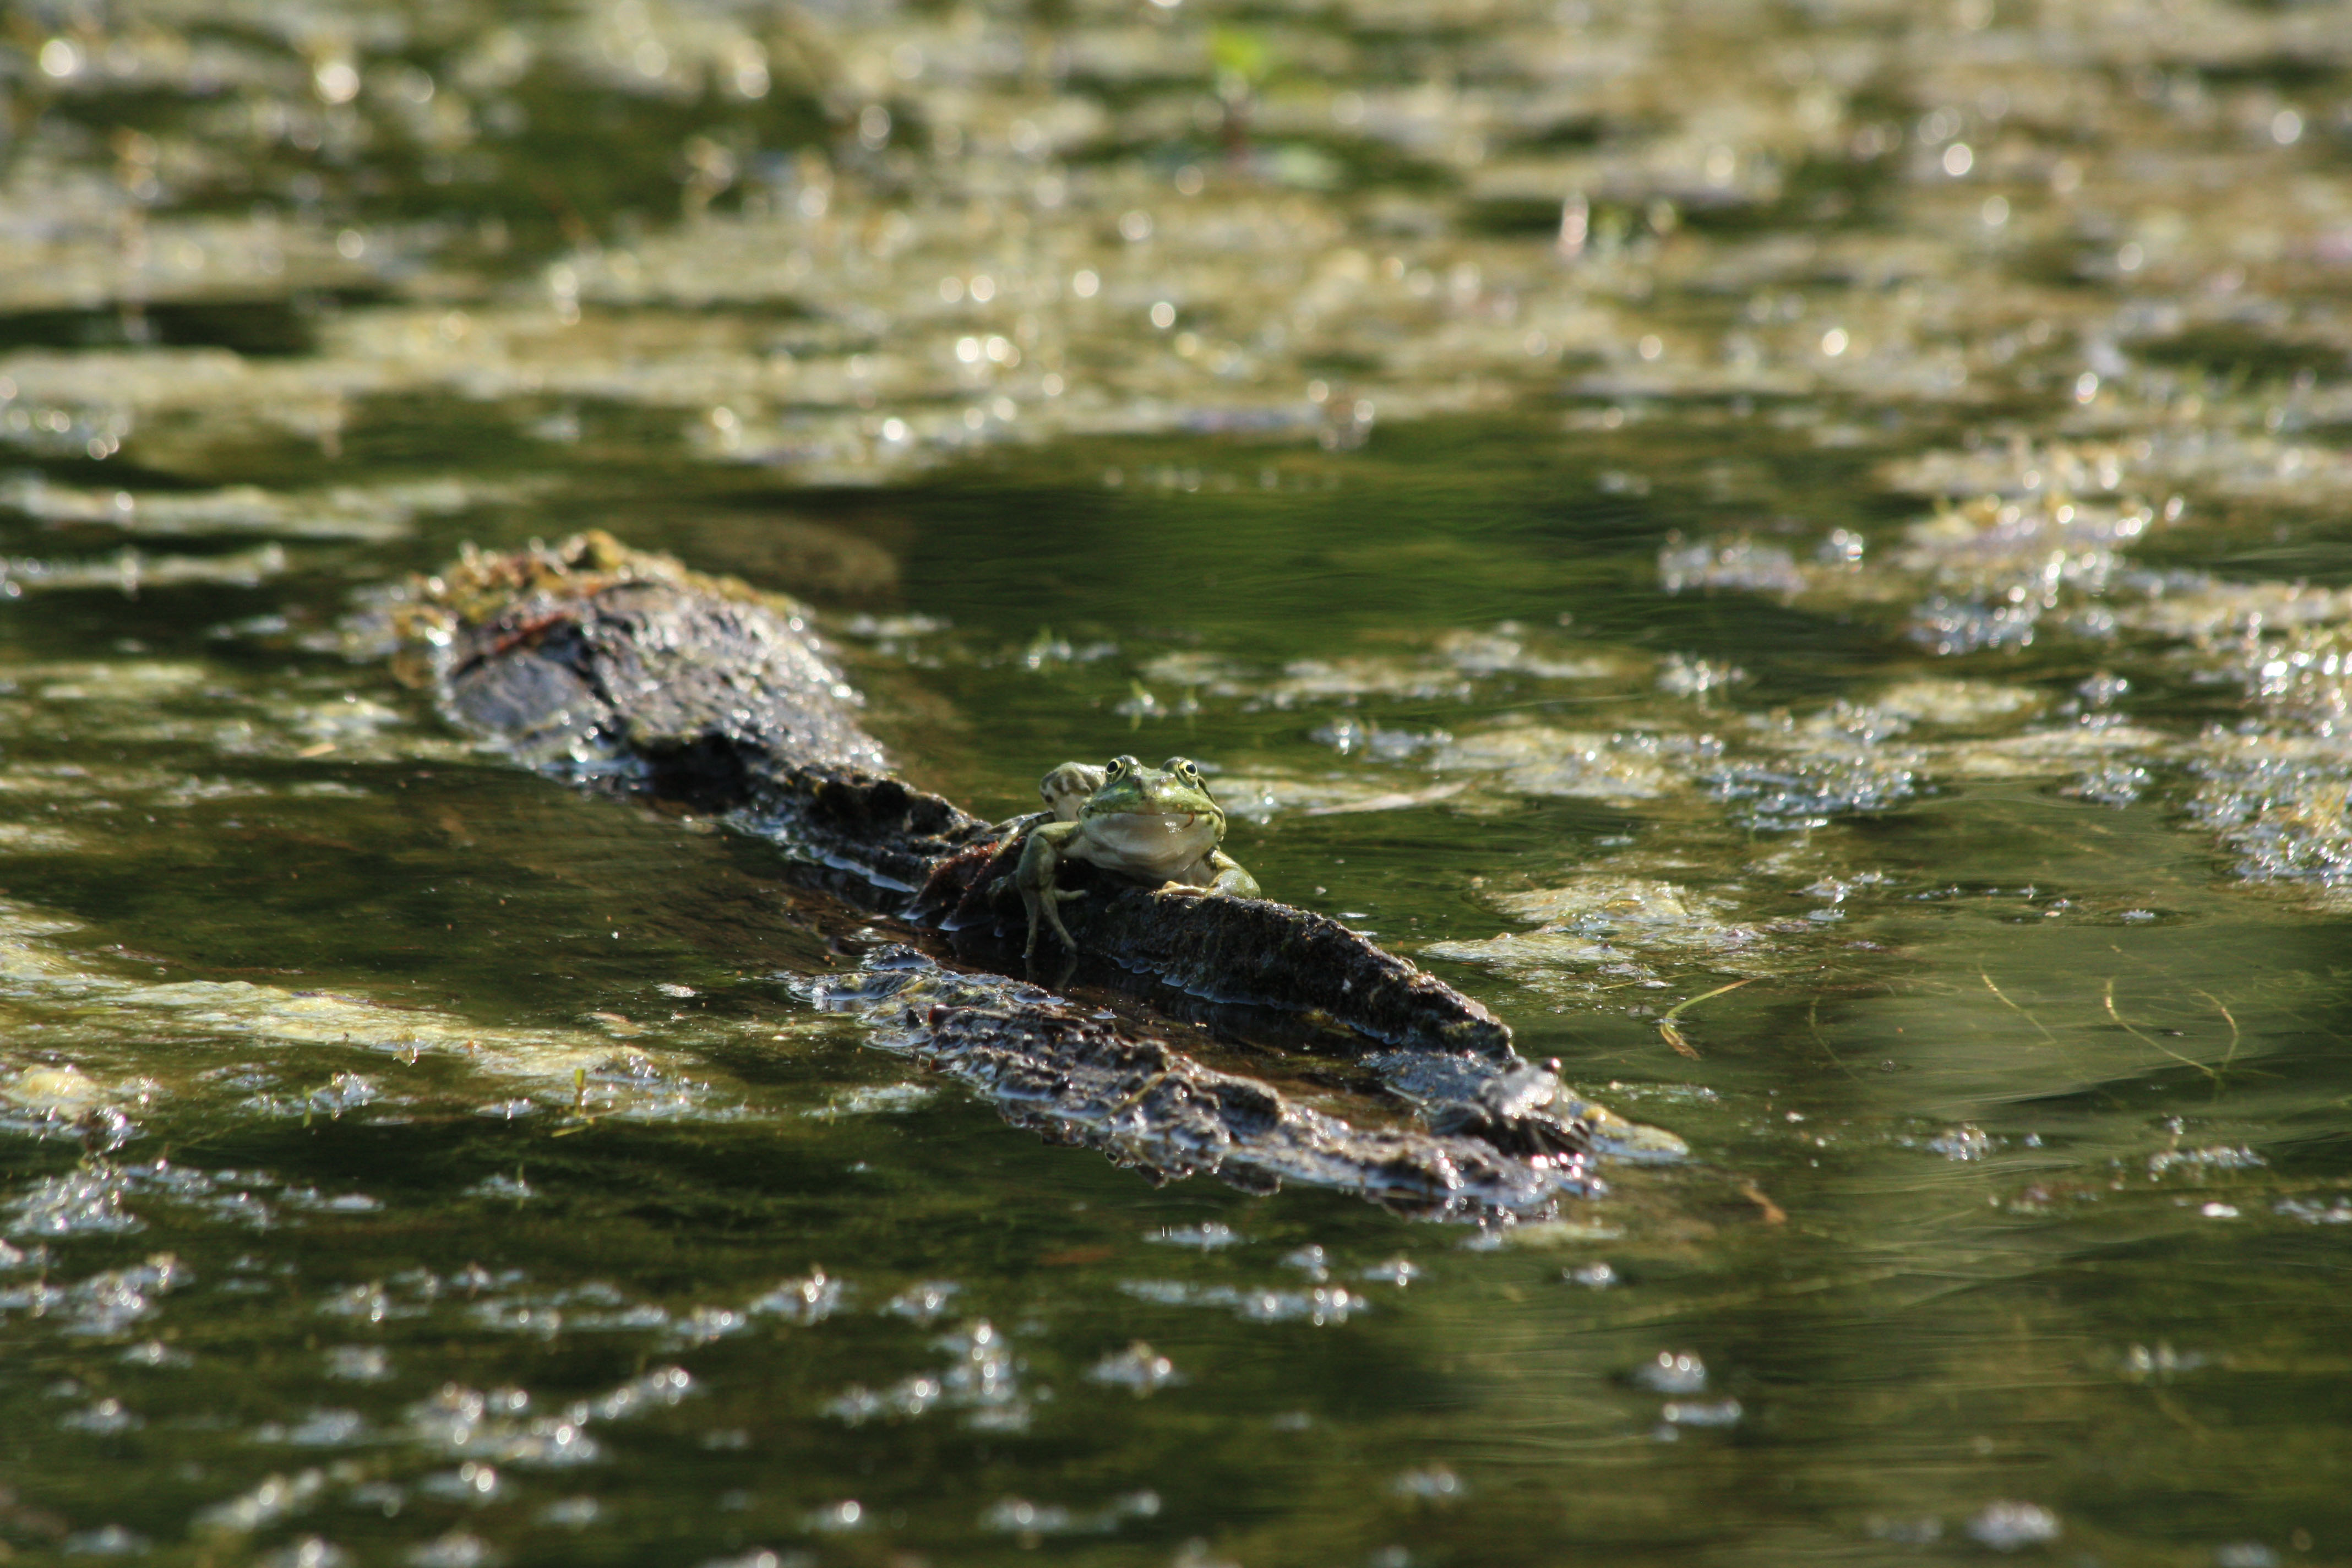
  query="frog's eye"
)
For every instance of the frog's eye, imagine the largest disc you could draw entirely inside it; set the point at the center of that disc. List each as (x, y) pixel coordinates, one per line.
(1182, 768)
(1113, 768)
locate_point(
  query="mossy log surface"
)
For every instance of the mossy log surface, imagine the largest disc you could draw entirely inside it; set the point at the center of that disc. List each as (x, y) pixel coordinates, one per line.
(626, 671)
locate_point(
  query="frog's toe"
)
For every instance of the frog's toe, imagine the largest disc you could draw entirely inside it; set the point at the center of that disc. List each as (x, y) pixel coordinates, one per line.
(1045, 910)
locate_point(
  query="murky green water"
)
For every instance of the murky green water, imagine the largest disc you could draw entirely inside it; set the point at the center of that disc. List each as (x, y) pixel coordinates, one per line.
(1633, 501)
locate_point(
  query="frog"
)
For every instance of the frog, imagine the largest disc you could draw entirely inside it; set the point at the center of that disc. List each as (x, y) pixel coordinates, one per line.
(1157, 826)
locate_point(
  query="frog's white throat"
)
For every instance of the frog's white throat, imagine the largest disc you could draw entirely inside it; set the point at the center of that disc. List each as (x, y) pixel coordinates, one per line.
(1152, 844)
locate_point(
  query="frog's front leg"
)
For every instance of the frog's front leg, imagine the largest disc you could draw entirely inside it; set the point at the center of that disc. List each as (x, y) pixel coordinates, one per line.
(1040, 856)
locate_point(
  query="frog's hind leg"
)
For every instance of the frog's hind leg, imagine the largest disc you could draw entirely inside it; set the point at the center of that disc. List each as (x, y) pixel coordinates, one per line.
(1040, 858)
(1213, 875)
(1227, 877)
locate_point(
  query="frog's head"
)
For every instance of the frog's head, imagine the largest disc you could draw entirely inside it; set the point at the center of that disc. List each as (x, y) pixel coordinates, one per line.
(1175, 788)
(1148, 822)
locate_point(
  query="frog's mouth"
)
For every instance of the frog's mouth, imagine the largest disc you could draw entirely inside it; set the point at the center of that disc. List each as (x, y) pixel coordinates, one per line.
(1149, 842)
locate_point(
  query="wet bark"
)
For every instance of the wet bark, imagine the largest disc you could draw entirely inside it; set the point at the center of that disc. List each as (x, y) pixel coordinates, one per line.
(624, 671)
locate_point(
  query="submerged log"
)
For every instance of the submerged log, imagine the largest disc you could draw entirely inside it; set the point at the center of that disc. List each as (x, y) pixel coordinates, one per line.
(624, 671)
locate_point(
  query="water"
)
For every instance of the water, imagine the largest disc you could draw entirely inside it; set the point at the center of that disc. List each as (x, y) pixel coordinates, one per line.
(1801, 562)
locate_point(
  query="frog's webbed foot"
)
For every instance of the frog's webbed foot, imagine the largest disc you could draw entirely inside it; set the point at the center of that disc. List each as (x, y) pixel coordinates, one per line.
(1047, 904)
(1040, 858)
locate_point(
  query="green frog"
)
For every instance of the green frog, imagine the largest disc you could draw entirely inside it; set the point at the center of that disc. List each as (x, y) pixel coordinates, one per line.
(1158, 826)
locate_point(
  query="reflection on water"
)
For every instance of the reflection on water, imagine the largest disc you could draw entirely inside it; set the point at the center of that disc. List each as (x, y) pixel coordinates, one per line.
(1797, 558)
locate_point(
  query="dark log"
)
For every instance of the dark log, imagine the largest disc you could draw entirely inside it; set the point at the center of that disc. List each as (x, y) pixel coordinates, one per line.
(624, 671)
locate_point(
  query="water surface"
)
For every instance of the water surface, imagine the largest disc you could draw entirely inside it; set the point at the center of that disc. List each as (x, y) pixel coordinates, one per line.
(1629, 501)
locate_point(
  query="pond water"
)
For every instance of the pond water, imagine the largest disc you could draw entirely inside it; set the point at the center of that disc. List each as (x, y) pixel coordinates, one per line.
(1797, 553)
